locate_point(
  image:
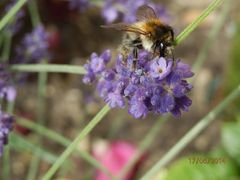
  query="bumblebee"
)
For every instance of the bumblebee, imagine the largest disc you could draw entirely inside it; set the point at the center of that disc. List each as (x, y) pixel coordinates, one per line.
(148, 33)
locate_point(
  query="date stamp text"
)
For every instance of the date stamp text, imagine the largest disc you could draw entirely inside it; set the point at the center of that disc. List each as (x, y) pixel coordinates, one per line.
(207, 160)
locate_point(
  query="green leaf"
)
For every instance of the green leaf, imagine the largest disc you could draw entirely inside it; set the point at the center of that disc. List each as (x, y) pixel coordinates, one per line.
(231, 140)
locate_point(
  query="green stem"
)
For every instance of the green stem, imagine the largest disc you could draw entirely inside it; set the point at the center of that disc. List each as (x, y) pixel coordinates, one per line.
(98, 3)
(42, 83)
(6, 46)
(33, 9)
(21, 144)
(56, 68)
(147, 141)
(6, 163)
(211, 7)
(1, 39)
(187, 138)
(61, 140)
(11, 13)
(76, 141)
(211, 37)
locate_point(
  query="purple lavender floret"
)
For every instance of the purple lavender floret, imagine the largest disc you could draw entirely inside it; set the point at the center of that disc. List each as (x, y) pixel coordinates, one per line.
(6, 125)
(113, 9)
(79, 5)
(96, 66)
(157, 85)
(160, 68)
(34, 47)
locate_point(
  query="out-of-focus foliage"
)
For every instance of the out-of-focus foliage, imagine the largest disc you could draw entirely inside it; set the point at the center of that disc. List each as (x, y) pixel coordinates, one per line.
(229, 150)
(232, 78)
(231, 140)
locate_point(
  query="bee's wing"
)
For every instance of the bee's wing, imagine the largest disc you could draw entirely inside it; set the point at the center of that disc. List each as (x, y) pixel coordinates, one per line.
(145, 13)
(125, 27)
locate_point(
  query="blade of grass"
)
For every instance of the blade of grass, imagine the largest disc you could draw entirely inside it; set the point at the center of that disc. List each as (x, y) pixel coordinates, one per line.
(41, 102)
(50, 68)
(6, 163)
(211, 37)
(76, 141)
(42, 83)
(187, 138)
(11, 13)
(20, 144)
(1, 39)
(35, 17)
(61, 140)
(7, 46)
(211, 7)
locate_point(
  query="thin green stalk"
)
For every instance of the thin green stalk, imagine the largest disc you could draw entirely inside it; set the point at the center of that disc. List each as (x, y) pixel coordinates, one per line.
(211, 37)
(42, 83)
(10, 107)
(76, 141)
(35, 17)
(211, 7)
(21, 144)
(98, 3)
(187, 138)
(147, 141)
(6, 163)
(1, 39)
(56, 68)
(6, 46)
(61, 140)
(6, 155)
(11, 13)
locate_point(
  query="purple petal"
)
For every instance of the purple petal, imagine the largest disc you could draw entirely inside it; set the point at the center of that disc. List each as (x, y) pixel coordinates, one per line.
(115, 99)
(138, 109)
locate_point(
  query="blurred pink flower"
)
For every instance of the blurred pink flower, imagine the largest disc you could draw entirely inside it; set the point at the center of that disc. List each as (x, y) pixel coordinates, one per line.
(114, 157)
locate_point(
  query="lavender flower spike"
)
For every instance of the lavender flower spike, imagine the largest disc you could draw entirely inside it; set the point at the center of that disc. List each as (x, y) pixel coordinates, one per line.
(156, 85)
(80, 5)
(34, 46)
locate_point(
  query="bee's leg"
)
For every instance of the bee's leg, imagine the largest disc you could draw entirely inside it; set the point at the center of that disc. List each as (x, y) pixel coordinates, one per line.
(173, 56)
(135, 58)
(161, 49)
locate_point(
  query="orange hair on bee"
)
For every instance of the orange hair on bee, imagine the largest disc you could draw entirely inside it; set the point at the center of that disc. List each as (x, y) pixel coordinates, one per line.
(151, 25)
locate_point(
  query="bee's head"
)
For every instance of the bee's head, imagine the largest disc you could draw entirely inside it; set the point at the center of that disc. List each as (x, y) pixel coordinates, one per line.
(163, 40)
